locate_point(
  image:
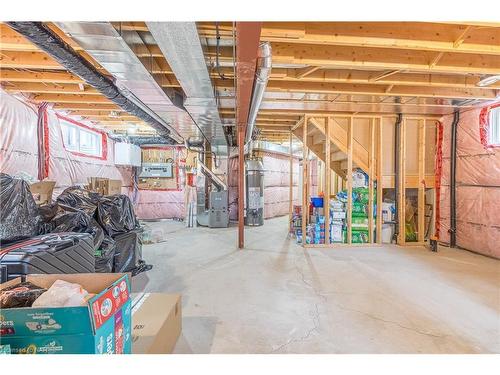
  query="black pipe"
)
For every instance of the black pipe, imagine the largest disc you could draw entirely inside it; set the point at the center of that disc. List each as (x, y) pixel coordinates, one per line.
(453, 187)
(397, 145)
(52, 44)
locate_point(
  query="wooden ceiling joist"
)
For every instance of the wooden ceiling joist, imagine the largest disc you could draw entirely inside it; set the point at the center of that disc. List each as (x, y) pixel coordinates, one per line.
(387, 35)
(52, 88)
(375, 58)
(7, 75)
(28, 60)
(315, 87)
(71, 98)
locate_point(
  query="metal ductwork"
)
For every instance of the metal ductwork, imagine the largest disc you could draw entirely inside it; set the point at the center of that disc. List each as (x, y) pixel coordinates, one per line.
(143, 140)
(52, 44)
(262, 74)
(180, 44)
(113, 48)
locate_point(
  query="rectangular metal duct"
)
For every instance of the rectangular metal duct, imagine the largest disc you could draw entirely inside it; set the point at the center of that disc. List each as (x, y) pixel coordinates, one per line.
(114, 51)
(180, 44)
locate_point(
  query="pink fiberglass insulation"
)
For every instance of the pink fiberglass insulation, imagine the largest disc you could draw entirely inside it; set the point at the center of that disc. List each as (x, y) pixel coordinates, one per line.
(478, 187)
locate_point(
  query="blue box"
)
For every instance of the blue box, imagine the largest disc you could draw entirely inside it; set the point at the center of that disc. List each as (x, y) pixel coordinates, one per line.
(103, 326)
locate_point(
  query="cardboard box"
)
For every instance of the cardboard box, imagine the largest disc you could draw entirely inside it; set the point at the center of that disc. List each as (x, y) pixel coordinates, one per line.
(104, 186)
(42, 191)
(154, 183)
(156, 322)
(101, 326)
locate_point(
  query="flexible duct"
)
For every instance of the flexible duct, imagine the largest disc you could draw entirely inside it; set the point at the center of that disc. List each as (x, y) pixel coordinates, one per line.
(52, 44)
(261, 78)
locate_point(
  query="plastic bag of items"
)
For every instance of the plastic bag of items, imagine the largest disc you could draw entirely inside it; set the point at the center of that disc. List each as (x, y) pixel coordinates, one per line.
(104, 256)
(63, 294)
(59, 218)
(116, 214)
(19, 216)
(20, 295)
(80, 199)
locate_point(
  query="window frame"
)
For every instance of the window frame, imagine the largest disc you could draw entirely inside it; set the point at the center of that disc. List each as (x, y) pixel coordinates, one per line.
(490, 112)
(485, 126)
(104, 139)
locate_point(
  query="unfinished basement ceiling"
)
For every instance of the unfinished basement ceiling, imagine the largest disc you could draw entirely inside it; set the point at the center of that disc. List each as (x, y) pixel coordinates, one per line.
(345, 67)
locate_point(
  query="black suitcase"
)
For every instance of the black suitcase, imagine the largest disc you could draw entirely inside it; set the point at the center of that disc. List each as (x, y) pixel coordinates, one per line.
(49, 254)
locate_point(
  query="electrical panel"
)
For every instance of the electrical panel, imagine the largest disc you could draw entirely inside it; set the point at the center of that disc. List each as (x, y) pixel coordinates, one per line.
(156, 170)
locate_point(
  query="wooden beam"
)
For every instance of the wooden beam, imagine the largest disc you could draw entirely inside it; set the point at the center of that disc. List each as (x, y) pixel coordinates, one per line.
(421, 176)
(71, 98)
(52, 88)
(402, 185)
(379, 90)
(303, 72)
(89, 107)
(328, 181)
(390, 59)
(28, 60)
(380, 138)
(401, 78)
(305, 179)
(7, 75)
(418, 36)
(349, 179)
(371, 165)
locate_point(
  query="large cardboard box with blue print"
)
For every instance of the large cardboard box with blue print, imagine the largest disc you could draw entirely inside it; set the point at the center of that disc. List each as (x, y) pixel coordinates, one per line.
(103, 326)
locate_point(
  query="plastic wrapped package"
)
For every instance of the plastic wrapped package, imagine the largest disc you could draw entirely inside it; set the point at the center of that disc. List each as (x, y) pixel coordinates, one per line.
(104, 255)
(62, 294)
(80, 199)
(20, 295)
(116, 214)
(19, 216)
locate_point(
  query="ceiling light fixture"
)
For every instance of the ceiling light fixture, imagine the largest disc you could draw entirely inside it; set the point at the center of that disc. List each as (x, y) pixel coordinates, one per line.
(488, 80)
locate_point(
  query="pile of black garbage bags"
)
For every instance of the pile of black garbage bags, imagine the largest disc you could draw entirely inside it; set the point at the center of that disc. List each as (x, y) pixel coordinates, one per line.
(109, 219)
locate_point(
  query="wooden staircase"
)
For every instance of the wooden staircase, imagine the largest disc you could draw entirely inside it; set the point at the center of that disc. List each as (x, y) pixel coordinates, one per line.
(316, 139)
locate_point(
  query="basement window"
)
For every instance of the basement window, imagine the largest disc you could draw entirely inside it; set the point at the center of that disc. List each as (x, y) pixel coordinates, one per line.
(494, 127)
(489, 126)
(82, 140)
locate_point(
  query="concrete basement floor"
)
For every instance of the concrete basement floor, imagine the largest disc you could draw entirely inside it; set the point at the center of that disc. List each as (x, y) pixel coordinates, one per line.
(276, 297)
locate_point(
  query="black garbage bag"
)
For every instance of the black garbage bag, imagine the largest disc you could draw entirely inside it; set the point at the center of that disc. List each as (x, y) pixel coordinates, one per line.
(128, 251)
(80, 199)
(104, 255)
(19, 216)
(116, 214)
(61, 218)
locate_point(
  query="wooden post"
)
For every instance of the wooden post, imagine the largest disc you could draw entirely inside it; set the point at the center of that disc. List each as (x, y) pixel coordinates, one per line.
(371, 172)
(290, 193)
(349, 179)
(421, 180)
(402, 184)
(305, 179)
(379, 180)
(328, 181)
